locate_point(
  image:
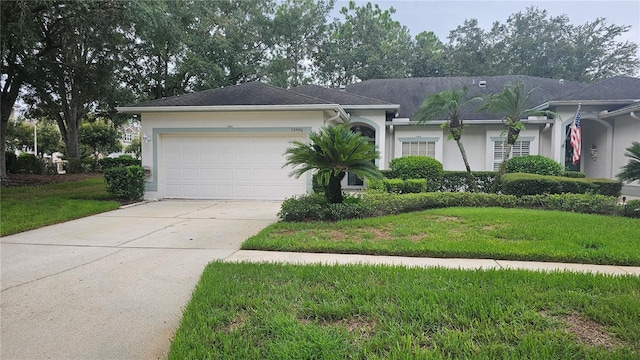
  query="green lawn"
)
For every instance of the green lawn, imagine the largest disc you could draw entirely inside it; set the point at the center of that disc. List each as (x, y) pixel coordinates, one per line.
(31, 207)
(270, 311)
(497, 233)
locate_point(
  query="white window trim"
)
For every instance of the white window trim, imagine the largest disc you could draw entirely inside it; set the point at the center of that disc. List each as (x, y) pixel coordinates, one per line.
(491, 162)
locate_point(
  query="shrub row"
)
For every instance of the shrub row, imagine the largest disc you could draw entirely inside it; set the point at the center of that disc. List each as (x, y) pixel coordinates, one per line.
(531, 184)
(451, 181)
(24, 163)
(315, 208)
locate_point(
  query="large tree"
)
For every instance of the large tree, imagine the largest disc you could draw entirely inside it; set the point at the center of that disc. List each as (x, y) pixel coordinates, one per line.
(532, 42)
(334, 151)
(367, 44)
(298, 27)
(21, 48)
(79, 73)
(512, 103)
(447, 105)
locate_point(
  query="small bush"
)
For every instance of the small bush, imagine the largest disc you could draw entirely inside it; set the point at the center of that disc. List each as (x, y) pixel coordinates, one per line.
(631, 209)
(11, 162)
(30, 164)
(413, 186)
(416, 167)
(125, 182)
(315, 207)
(574, 174)
(122, 161)
(74, 166)
(533, 164)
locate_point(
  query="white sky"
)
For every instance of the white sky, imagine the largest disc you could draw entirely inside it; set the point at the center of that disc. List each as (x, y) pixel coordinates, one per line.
(442, 16)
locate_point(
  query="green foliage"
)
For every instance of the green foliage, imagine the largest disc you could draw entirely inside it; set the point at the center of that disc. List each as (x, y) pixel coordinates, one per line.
(12, 162)
(512, 103)
(530, 184)
(108, 163)
(380, 203)
(631, 171)
(315, 207)
(30, 164)
(632, 208)
(534, 164)
(455, 181)
(367, 44)
(334, 151)
(416, 167)
(125, 182)
(135, 147)
(573, 174)
(544, 41)
(19, 136)
(101, 137)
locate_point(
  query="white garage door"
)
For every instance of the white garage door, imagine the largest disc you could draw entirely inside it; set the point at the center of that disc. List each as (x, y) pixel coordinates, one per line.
(227, 167)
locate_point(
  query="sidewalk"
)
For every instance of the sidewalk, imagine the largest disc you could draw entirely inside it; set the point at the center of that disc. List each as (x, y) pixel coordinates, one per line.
(254, 256)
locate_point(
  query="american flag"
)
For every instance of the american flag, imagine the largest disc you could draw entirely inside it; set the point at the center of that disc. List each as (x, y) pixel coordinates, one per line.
(576, 134)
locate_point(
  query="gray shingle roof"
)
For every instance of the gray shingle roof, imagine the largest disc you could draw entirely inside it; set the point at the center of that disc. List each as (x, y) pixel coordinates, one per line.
(614, 88)
(253, 93)
(411, 92)
(337, 96)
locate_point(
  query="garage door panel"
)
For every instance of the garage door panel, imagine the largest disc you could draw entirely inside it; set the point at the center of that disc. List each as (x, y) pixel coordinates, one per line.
(227, 167)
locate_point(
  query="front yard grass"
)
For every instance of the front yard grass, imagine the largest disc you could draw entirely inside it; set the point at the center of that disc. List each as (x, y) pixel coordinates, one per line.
(274, 311)
(493, 233)
(30, 207)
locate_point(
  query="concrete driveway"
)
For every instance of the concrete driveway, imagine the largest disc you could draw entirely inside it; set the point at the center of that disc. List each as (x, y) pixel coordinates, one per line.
(113, 286)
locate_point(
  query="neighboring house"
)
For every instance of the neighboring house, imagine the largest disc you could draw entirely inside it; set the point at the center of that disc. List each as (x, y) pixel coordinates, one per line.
(128, 131)
(228, 143)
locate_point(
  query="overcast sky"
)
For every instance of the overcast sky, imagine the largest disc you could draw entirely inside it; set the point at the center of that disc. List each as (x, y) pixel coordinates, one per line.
(442, 16)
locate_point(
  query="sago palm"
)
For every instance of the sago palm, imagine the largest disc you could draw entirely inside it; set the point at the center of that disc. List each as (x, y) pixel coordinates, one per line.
(512, 102)
(631, 171)
(448, 104)
(334, 151)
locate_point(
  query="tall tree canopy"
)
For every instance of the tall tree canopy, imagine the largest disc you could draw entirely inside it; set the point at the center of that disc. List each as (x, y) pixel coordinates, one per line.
(367, 44)
(537, 44)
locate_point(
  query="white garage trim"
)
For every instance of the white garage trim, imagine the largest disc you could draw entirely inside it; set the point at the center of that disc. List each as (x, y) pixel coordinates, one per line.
(293, 133)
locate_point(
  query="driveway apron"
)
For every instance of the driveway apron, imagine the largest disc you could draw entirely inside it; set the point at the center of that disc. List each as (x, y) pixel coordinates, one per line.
(114, 285)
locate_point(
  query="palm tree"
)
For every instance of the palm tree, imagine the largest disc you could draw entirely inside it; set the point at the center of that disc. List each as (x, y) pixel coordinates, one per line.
(334, 151)
(631, 171)
(512, 102)
(448, 103)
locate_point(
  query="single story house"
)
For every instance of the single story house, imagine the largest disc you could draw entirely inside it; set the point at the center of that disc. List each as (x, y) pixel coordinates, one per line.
(228, 143)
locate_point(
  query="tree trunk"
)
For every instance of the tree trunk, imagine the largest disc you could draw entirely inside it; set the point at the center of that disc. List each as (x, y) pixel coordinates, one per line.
(472, 179)
(333, 191)
(7, 100)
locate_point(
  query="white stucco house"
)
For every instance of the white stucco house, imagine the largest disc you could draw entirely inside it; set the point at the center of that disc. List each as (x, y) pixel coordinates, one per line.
(228, 143)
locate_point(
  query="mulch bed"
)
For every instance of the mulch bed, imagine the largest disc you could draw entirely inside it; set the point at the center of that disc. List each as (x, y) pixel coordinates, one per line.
(37, 180)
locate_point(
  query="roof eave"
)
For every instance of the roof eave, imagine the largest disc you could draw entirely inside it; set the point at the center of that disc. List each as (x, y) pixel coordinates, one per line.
(219, 108)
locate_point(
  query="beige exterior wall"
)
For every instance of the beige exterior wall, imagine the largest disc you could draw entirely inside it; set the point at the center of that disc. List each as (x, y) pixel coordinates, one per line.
(154, 125)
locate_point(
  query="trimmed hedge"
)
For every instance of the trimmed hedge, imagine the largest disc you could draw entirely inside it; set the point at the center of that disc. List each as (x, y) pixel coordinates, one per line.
(574, 174)
(533, 164)
(108, 163)
(315, 208)
(520, 184)
(416, 167)
(125, 182)
(452, 181)
(455, 181)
